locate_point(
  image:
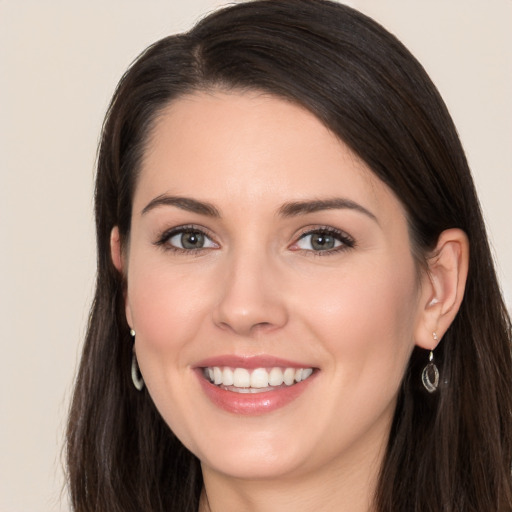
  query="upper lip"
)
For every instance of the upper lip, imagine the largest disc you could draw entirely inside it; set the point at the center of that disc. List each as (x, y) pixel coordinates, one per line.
(250, 362)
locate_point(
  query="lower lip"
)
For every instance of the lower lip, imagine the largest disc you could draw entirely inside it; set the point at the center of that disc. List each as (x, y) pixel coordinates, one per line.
(252, 404)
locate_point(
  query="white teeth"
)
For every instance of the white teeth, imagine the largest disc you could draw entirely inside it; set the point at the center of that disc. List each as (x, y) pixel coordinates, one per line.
(259, 378)
(217, 375)
(306, 373)
(275, 377)
(227, 377)
(289, 376)
(241, 378)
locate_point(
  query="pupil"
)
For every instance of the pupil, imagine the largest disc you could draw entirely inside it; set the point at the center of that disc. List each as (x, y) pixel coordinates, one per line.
(321, 241)
(192, 240)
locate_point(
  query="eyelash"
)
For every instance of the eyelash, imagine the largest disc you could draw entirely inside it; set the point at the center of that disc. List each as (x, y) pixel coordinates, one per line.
(345, 240)
(165, 237)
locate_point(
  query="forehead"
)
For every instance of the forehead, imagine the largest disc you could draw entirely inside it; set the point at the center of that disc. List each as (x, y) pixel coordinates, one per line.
(254, 148)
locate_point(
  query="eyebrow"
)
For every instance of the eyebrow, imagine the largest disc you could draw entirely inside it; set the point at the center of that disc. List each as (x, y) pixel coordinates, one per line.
(185, 203)
(303, 207)
(291, 209)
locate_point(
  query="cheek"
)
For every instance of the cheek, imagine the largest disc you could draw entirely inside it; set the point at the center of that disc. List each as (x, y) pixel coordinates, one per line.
(165, 304)
(363, 324)
(168, 310)
(365, 316)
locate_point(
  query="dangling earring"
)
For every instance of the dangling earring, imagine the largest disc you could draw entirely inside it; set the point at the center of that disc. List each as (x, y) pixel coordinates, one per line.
(137, 379)
(430, 374)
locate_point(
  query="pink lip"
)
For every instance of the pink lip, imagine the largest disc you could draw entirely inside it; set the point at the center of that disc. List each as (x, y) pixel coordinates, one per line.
(250, 362)
(251, 404)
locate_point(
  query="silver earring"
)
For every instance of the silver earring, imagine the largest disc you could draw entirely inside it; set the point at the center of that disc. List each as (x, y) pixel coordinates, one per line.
(430, 374)
(137, 379)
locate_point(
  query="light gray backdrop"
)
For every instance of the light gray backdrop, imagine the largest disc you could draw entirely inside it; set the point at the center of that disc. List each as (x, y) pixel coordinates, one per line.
(59, 63)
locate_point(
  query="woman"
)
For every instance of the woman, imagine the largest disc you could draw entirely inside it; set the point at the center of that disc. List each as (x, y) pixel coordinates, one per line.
(296, 305)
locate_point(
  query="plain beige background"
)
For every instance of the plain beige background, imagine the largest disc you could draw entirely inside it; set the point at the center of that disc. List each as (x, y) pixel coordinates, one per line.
(59, 63)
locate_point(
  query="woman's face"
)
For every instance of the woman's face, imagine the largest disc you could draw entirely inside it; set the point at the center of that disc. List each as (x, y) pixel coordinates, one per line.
(261, 246)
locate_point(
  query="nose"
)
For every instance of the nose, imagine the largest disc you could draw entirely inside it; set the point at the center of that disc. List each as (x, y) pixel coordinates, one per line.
(252, 299)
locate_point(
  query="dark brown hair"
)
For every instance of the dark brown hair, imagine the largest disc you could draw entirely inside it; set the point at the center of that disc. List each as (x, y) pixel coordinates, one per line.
(450, 451)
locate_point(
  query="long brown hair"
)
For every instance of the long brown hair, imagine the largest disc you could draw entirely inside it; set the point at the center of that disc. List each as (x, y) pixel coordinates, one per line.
(450, 451)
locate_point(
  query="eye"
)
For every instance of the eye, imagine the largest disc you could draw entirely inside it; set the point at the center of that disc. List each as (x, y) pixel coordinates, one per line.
(189, 240)
(186, 239)
(324, 240)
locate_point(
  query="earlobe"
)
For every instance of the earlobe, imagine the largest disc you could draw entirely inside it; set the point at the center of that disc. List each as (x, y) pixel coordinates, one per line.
(116, 250)
(444, 286)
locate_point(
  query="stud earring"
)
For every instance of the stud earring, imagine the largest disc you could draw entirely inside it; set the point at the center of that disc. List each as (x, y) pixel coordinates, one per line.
(430, 374)
(137, 379)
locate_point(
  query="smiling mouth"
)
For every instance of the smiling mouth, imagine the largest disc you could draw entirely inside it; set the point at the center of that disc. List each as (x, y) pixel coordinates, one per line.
(258, 380)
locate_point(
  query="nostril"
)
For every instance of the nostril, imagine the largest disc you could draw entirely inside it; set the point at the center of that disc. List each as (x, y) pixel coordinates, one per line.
(247, 329)
(262, 326)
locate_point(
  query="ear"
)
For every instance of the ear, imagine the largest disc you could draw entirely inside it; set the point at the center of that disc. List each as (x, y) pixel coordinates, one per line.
(115, 250)
(118, 259)
(442, 287)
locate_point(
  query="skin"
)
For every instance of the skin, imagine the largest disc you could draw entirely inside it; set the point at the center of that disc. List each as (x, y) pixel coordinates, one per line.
(259, 287)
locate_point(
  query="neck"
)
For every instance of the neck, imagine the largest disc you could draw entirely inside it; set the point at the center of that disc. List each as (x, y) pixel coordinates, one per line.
(347, 487)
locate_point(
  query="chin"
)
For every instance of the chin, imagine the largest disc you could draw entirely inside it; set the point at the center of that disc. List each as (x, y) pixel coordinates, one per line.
(253, 464)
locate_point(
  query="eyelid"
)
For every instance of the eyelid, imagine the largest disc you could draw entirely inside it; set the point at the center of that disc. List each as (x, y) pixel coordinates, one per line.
(346, 240)
(167, 234)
